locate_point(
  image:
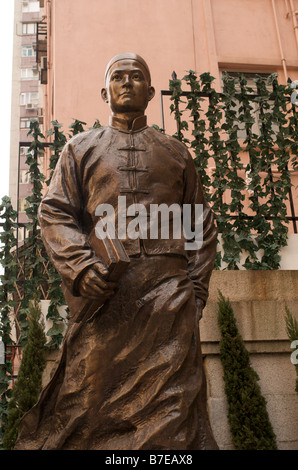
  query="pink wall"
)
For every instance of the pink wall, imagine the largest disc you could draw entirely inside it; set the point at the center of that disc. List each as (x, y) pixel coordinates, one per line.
(246, 33)
(179, 35)
(203, 35)
(87, 38)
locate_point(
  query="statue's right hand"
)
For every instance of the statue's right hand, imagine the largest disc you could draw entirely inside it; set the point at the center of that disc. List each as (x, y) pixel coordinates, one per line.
(93, 283)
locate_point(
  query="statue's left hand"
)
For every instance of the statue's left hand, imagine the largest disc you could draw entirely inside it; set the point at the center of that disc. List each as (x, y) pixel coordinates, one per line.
(94, 284)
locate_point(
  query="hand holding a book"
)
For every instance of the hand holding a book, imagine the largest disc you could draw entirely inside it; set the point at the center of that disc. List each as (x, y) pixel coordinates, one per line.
(94, 283)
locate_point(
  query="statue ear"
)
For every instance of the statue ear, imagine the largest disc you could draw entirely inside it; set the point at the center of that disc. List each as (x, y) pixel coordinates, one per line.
(151, 93)
(104, 95)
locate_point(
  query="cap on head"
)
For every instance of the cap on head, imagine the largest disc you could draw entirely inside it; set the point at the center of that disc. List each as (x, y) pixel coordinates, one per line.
(128, 56)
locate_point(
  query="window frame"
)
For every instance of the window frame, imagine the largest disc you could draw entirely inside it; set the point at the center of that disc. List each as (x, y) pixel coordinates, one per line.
(27, 121)
(28, 48)
(25, 27)
(29, 97)
(26, 8)
(32, 75)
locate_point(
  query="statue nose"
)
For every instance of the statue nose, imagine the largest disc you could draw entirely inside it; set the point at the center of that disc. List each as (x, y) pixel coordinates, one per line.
(126, 80)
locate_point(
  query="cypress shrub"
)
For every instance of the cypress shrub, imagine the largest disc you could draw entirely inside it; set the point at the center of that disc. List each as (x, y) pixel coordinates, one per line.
(247, 414)
(28, 385)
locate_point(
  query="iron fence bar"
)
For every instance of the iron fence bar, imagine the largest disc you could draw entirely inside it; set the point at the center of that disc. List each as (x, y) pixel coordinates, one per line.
(162, 112)
(251, 96)
(291, 200)
(203, 94)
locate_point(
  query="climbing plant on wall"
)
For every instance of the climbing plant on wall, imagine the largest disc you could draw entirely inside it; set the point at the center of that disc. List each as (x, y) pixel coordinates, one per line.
(34, 276)
(7, 291)
(244, 141)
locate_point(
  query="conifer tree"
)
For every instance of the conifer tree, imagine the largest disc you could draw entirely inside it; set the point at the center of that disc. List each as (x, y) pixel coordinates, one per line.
(247, 414)
(28, 384)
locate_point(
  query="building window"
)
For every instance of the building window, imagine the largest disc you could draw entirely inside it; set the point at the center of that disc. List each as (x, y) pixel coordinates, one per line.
(24, 177)
(29, 28)
(25, 122)
(28, 51)
(29, 74)
(29, 99)
(23, 204)
(24, 151)
(30, 7)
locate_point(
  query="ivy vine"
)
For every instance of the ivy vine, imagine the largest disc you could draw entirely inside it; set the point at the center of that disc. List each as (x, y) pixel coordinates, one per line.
(7, 303)
(246, 177)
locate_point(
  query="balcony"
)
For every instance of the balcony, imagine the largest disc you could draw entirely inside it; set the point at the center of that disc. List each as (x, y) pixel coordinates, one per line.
(41, 41)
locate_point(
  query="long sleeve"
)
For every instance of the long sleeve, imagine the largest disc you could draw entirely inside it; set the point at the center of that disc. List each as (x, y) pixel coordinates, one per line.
(201, 261)
(60, 215)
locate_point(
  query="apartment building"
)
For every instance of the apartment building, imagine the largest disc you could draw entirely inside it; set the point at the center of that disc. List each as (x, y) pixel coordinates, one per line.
(26, 97)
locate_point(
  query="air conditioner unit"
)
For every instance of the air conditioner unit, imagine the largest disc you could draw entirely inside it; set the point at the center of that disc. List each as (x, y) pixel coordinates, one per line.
(31, 105)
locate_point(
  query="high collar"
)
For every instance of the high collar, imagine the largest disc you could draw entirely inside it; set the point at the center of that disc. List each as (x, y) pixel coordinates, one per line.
(137, 124)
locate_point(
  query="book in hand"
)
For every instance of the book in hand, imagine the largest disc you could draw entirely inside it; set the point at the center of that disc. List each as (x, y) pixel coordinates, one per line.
(111, 252)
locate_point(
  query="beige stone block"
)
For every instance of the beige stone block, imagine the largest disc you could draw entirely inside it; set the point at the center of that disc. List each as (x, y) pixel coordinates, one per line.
(218, 413)
(282, 410)
(277, 375)
(256, 320)
(214, 376)
(260, 320)
(52, 357)
(209, 329)
(255, 285)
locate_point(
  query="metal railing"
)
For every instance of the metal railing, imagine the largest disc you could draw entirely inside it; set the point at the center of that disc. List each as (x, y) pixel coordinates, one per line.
(292, 216)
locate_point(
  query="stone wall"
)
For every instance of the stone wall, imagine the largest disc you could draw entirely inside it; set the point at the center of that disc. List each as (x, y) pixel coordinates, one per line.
(258, 299)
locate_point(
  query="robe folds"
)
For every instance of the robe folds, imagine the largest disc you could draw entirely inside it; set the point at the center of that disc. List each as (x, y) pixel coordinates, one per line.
(130, 377)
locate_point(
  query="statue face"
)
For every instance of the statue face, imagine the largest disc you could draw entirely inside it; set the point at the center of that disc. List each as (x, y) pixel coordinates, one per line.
(128, 89)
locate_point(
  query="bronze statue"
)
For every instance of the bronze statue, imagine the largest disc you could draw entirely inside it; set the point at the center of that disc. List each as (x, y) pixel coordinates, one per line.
(130, 376)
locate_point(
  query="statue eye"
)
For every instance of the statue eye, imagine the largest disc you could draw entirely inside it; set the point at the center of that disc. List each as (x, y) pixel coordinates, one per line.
(116, 76)
(137, 76)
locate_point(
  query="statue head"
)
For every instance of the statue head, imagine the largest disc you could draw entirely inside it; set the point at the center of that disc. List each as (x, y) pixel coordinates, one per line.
(127, 84)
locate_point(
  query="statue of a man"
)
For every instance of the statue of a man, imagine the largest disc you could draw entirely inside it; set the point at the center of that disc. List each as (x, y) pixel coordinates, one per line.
(130, 376)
